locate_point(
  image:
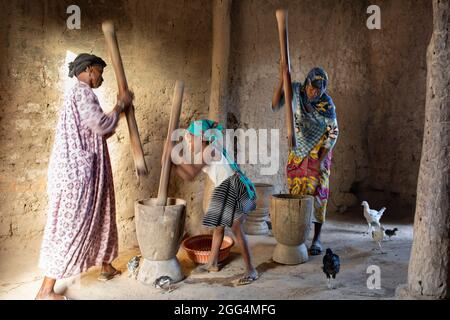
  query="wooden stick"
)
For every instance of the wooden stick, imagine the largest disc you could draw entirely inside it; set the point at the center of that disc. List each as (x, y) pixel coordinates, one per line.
(282, 19)
(166, 160)
(136, 146)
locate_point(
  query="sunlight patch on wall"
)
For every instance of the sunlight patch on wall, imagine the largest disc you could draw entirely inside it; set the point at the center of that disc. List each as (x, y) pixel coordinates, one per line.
(70, 82)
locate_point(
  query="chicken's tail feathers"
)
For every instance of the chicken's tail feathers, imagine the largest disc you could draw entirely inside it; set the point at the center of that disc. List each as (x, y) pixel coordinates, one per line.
(380, 213)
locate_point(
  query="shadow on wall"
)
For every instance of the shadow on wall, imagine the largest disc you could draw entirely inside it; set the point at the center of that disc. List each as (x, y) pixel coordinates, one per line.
(397, 64)
(160, 41)
(396, 207)
(378, 81)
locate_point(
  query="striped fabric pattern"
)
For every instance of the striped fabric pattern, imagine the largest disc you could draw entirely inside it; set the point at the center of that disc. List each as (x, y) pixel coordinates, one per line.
(228, 202)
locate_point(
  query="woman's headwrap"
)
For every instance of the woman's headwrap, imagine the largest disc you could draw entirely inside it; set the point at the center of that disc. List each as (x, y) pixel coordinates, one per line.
(323, 103)
(317, 78)
(213, 132)
(82, 61)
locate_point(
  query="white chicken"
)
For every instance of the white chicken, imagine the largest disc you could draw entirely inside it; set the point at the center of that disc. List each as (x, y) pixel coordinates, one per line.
(372, 216)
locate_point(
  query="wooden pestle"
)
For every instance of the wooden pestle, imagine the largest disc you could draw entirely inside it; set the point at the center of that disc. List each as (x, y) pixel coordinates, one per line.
(116, 59)
(166, 159)
(282, 20)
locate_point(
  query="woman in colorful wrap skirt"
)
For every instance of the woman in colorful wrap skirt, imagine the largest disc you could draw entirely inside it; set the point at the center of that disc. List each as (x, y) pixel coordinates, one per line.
(316, 132)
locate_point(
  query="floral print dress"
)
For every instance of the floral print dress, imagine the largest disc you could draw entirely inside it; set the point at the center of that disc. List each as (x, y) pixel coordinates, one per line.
(81, 228)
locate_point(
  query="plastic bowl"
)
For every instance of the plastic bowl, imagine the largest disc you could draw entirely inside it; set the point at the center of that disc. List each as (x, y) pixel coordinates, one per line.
(198, 248)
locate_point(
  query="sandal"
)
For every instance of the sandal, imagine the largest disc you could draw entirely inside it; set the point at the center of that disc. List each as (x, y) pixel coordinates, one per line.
(205, 269)
(247, 279)
(105, 276)
(315, 249)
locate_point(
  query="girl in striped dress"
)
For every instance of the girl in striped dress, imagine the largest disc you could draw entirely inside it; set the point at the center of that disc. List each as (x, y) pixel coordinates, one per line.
(232, 198)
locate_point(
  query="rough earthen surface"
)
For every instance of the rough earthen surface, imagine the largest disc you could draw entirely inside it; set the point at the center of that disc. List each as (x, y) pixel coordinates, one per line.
(160, 43)
(429, 268)
(377, 83)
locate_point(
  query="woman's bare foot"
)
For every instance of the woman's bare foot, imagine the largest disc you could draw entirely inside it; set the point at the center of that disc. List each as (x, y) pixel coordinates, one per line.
(47, 291)
(50, 296)
(212, 268)
(108, 268)
(206, 268)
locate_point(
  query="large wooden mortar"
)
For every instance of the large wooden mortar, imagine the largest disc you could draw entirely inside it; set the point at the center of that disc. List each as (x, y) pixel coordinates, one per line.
(159, 231)
(255, 223)
(291, 222)
(160, 221)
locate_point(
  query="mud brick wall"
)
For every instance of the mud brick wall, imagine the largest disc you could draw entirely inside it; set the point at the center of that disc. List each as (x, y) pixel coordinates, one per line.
(378, 81)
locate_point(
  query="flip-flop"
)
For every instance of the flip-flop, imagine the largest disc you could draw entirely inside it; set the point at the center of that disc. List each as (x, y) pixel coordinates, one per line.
(315, 250)
(105, 276)
(247, 280)
(204, 269)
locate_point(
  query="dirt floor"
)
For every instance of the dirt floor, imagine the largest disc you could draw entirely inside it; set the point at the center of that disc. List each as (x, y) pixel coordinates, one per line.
(20, 278)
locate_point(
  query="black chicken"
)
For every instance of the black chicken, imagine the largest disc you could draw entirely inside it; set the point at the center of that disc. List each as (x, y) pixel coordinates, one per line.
(391, 233)
(331, 266)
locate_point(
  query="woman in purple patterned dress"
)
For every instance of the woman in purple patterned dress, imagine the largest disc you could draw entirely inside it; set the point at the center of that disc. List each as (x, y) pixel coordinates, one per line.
(81, 230)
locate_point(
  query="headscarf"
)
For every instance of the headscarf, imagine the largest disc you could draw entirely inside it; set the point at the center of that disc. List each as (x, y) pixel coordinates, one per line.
(318, 78)
(213, 132)
(312, 125)
(82, 61)
(323, 103)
